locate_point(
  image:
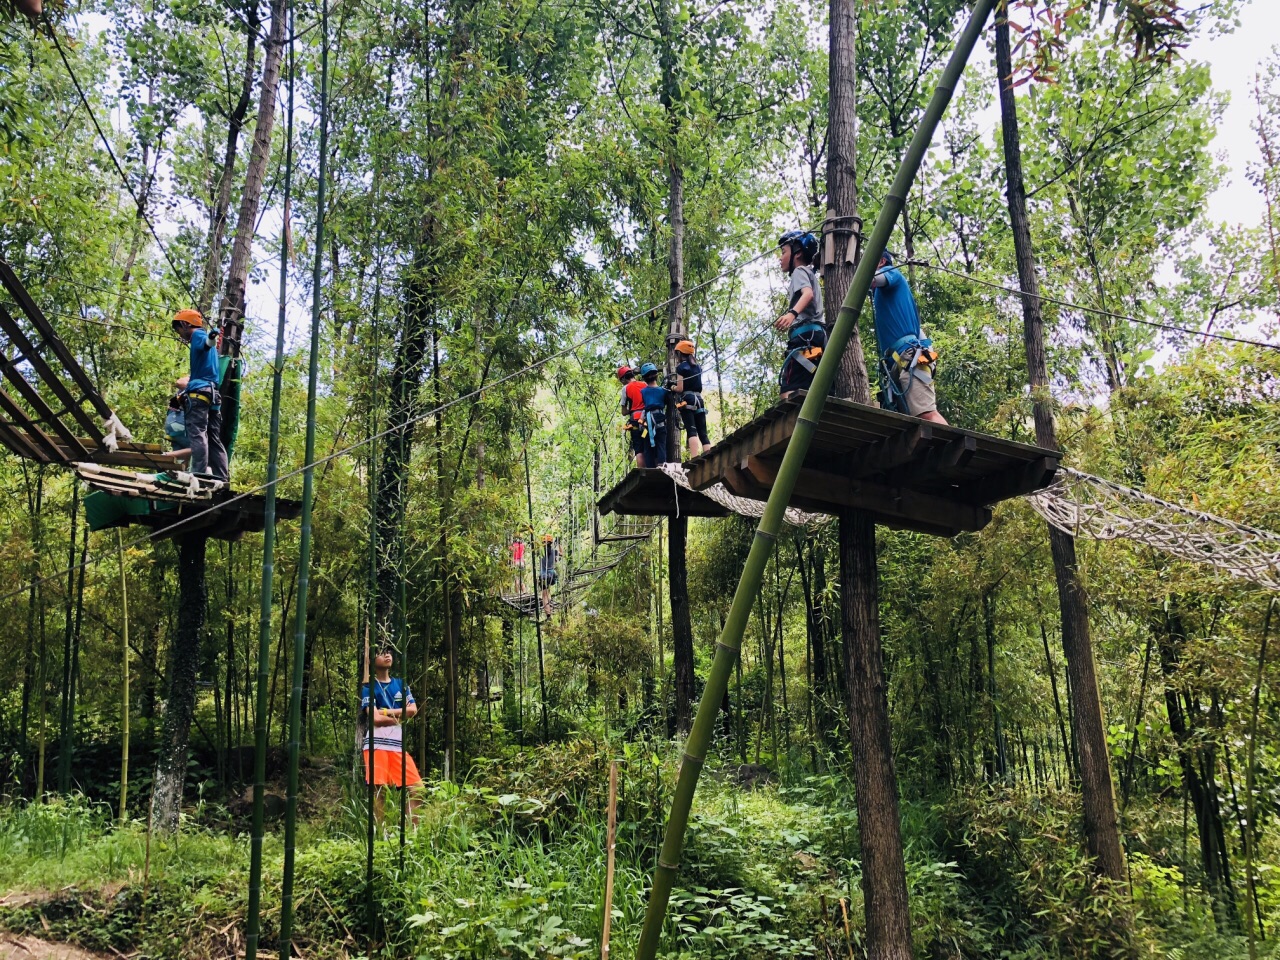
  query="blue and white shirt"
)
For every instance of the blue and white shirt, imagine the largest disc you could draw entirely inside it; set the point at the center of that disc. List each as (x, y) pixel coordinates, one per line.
(392, 695)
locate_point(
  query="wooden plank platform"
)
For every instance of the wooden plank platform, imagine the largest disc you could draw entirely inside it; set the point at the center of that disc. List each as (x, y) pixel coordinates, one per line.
(908, 473)
(651, 493)
(224, 516)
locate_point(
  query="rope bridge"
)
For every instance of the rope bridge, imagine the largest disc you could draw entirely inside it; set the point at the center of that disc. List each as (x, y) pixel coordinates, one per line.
(1084, 505)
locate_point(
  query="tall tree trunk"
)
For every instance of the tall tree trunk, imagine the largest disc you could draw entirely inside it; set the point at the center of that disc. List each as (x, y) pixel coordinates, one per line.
(884, 877)
(255, 174)
(184, 657)
(222, 200)
(677, 330)
(1102, 832)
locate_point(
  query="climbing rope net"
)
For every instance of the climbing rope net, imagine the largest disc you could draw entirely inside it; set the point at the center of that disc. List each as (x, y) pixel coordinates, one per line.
(1084, 505)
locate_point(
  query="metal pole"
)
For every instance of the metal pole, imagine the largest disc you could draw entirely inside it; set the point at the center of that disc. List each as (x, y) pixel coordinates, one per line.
(308, 480)
(254, 918)
(730, 641)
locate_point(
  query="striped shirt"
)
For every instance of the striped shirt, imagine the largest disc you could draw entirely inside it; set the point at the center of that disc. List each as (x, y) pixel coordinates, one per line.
(392, 695)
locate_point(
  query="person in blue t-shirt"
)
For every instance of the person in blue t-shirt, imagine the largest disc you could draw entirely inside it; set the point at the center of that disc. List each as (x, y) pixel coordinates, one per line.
(204, 403)
(907, 357)
(391, 705)
(693, 410)
(654, 398)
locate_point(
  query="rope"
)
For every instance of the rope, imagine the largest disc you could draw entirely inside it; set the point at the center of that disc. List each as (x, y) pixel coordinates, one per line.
(742, 506)
(1084, 505)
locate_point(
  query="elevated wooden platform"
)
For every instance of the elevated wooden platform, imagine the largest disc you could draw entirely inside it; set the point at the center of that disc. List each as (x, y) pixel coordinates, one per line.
(651, 493)
(907, 473)
(225, 515)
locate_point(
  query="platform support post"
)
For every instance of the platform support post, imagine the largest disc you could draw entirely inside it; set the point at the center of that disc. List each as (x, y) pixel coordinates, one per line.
(730, 642)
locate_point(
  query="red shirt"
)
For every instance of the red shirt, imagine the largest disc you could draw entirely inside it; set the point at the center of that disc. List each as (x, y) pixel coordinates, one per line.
(632, 393)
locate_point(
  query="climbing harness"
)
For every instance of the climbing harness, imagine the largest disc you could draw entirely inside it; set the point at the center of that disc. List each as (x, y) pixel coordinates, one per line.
(805, 343)
(913, 356)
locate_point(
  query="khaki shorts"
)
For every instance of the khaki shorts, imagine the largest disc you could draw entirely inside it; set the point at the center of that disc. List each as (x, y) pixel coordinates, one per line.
(918, 391)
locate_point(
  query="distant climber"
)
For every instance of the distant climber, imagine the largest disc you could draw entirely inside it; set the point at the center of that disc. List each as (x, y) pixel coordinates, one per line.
(390, 705)
(547, 577)
(203, 407)
(654, 398)
(175, 420)
(632, 407)
(907, 357)
(693, 411)
(517, 561)
(803, 321)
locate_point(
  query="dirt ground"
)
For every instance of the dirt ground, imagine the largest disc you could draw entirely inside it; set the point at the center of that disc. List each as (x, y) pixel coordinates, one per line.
(20, 947)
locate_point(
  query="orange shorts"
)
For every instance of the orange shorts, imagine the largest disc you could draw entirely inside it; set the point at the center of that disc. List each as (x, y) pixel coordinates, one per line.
(386, 768)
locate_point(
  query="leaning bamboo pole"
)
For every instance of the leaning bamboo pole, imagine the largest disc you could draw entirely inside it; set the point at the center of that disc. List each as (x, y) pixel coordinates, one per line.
(308, 496)
(124, 674)
(730, 641)
(253, 925)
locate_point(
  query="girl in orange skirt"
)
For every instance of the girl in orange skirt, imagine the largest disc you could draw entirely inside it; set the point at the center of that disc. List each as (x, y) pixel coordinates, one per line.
(389, 705)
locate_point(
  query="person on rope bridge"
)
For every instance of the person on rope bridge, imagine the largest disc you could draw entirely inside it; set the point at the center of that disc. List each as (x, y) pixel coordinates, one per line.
(203, 406)
(632, 407)
(654, 398)
(804, 320)
(384, 709)
(547, 577)
(693, 411)
(907, 357)
(517, 561)
(175, 421)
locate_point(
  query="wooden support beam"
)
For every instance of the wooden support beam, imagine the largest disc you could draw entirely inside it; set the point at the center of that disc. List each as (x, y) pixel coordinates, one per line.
(32, 442)
(894, 506)
(939, 461)
(37, 404)
(1013, 481)
(891, 452)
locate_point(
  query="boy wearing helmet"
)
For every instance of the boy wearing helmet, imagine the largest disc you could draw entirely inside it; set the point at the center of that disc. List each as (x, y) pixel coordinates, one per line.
(203, 403)
(907, 357)
(654, 398)
(632, 407)
(804, 320)
(693, 411)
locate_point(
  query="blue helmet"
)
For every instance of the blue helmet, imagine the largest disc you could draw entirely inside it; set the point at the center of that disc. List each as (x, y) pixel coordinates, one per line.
(887, 255)
(647, 369)
(803, 239)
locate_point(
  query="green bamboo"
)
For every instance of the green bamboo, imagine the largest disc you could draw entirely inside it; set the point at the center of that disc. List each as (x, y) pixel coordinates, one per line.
(124, 693)
(254, 919)
(762, 545)
(308, 495)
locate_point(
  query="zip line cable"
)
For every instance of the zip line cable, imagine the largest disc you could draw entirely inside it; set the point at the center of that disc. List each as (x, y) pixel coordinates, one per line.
(124, 178)
(1173, 328)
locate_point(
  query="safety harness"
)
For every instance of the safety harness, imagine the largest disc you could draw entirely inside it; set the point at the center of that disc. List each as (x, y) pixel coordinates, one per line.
(916, 357)
(655, 416)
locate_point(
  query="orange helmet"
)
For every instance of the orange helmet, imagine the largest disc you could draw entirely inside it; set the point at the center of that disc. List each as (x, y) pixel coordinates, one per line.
(685, 346)
(192, 318)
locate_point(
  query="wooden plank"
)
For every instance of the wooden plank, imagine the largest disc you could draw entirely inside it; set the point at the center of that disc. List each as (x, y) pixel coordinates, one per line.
(20, 443)
(22, 426)
(47, 375)
(51, 339)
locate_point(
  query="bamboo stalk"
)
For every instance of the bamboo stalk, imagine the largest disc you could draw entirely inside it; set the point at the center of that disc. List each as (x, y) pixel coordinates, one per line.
(253, 922)
(308, 497)
(612, 842)
(730, 641)
(124, 695)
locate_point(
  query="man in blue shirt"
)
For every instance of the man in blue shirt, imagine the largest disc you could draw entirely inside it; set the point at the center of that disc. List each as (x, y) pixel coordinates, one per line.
(907, 357)
(203, 404)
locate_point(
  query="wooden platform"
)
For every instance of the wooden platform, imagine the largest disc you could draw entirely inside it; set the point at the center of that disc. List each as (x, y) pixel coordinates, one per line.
(226, 515)
(651, 493)
(907, 473)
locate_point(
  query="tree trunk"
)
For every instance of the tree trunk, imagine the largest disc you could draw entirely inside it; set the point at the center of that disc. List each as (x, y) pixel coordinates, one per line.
(184, 656)
(1102, 832)
(255, 174)
(222, 202)
(677, 330)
